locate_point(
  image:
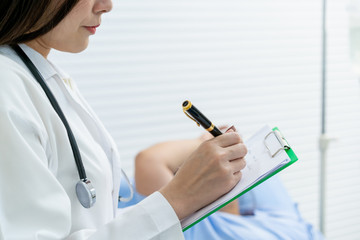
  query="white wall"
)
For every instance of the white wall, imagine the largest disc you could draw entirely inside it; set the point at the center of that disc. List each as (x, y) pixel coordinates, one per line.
(241, 62)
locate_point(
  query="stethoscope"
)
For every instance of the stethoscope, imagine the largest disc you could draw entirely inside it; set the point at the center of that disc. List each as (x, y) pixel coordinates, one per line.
(85, 191)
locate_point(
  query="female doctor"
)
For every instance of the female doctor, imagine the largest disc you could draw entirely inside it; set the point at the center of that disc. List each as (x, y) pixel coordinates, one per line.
(59, 167)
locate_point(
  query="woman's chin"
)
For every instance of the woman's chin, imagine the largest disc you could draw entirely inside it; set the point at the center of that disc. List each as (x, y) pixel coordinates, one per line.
(75, 48)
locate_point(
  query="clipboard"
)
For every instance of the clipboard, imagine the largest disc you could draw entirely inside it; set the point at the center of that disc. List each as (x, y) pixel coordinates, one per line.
(268, 154)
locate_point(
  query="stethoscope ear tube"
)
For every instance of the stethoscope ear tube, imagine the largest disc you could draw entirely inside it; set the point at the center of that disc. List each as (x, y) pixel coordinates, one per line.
(131, 188)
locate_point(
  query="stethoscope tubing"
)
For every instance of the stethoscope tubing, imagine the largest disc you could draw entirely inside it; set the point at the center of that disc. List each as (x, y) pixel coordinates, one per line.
(84, 190)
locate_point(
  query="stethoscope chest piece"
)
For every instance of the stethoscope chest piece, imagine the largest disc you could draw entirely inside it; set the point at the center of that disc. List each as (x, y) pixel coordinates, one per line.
(86, 193)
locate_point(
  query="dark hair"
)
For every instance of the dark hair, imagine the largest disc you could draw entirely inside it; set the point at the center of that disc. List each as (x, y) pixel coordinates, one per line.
(25, 20)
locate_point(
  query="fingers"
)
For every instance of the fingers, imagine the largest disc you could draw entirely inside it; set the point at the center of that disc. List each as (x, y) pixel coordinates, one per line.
(223, 128)
(228, 139)
(233, 148)
(236, 151)
(237, 165)
(232, 127)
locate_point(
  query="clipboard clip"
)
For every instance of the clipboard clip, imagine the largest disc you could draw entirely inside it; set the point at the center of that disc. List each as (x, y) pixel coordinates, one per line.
(274, 141)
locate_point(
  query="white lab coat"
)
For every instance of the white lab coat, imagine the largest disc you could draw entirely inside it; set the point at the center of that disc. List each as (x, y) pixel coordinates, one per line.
(38, 172)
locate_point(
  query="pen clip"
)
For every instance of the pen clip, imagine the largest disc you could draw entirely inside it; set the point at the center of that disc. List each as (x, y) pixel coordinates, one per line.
(191, 118)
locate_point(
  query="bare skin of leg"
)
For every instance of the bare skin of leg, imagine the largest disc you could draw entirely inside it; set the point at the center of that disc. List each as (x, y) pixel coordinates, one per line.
(232, 208)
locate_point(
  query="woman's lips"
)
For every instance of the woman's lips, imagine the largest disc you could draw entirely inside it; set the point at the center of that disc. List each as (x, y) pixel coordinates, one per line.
(92, 29)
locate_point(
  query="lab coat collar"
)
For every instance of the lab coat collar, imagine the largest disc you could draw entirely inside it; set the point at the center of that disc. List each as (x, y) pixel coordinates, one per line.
(42, 64)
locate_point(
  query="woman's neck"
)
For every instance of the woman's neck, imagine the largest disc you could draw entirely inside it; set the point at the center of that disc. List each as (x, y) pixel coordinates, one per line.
(38, 46)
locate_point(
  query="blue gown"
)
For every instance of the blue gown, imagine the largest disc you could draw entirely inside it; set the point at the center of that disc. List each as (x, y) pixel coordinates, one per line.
(267, 212)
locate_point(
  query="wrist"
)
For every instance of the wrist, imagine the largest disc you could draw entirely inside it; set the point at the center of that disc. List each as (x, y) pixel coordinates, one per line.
(181, 203)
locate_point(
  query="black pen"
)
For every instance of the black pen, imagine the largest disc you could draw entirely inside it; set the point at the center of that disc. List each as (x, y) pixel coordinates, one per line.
(193, 113)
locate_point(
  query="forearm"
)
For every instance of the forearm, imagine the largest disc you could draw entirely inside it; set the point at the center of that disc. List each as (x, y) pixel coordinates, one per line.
(156, 166)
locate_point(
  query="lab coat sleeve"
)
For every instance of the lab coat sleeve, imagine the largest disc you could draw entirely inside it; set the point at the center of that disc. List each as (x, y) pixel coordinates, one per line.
(152, 219)
(146, 220)
(33, 203)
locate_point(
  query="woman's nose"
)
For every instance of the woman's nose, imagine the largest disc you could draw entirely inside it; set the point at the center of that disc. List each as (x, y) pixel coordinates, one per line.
(103, 6)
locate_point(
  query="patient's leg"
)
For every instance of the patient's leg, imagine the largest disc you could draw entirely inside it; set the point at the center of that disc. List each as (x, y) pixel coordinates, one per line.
(232, 208)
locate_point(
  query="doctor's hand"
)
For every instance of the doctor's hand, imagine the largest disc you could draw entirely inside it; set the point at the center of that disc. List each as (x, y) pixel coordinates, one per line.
(211, 171)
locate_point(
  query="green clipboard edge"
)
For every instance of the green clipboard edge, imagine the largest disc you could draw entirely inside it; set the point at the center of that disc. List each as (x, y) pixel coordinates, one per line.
(293, 158)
